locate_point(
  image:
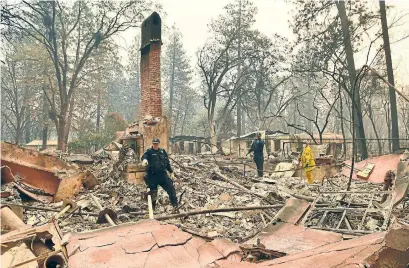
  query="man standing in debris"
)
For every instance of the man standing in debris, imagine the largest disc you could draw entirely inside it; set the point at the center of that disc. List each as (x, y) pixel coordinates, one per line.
(157, 161)
(257, 146)
(308, 162)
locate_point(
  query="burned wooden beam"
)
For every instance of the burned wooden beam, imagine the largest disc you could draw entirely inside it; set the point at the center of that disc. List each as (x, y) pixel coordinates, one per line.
(47, 209)
(205, 211)
(342, 231)
(108, 214)
(23, 231)
(74, 213)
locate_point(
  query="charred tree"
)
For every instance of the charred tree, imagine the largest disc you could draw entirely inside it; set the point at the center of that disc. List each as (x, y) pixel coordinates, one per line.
(354, 90)
(391, 80)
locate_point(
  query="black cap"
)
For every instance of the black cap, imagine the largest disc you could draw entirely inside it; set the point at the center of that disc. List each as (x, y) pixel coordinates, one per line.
(155, 140)
(258, 134)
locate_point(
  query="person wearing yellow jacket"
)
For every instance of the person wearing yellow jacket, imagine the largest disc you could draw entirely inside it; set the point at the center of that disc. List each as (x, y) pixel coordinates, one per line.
(308, 162)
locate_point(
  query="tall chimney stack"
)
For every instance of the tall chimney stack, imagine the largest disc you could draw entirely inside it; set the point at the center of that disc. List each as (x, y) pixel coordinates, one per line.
(151, 42)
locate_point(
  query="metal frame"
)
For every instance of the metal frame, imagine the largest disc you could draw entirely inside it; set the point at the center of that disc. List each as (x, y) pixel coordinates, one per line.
(316, 216)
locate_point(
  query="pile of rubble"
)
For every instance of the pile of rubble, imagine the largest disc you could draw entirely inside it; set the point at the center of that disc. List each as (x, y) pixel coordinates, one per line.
(226, 198)
(203, 182)
(197, 186)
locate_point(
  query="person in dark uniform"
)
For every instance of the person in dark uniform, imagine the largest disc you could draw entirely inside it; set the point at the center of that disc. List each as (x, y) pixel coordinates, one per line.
(257, 147)
(157, 161)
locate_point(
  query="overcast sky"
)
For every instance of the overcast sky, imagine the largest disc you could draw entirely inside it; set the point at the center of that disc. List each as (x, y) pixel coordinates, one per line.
(193, 16)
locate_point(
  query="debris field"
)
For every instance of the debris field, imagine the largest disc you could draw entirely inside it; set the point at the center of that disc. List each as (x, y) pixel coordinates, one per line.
(242, 210)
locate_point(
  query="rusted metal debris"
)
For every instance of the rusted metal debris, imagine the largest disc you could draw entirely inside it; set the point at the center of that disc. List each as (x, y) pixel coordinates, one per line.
(5, 194)
(105, 215)
(37, 239)
(34, 193)
(289, 238)
(42, 177)
(383, 249)
(257, 252)
(206, 191)
(212, 195)
(370, 216)
(68, 207)
(340, 217)
(382, 163)
(80, 159)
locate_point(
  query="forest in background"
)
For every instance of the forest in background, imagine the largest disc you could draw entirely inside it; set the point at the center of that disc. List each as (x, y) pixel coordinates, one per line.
(63, 75)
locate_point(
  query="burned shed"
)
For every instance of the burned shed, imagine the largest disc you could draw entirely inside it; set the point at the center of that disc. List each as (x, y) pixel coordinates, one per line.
(241, 145)
(185, 144)
(37, 144)
(331, 143)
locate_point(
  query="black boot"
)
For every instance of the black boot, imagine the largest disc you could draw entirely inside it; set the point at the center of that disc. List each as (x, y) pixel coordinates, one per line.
(175, 209)
(154, 196)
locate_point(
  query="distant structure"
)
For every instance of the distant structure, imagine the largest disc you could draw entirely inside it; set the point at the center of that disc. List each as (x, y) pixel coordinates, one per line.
(37, 144)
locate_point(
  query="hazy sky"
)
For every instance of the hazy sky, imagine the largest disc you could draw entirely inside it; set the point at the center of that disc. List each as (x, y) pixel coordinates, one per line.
(192, 17)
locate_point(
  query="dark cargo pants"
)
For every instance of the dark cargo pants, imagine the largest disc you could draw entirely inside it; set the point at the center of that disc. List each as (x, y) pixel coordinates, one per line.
(163, 180)
(259, 159)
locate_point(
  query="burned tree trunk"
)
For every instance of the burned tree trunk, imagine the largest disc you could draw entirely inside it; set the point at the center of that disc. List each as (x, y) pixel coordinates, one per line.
(213, 136)
(27, 128)
(45, 121)
(172, 84)
(239, 107)
(342, 120)
(371, 116)
(389, 68)
(354, 92)
(98, 109)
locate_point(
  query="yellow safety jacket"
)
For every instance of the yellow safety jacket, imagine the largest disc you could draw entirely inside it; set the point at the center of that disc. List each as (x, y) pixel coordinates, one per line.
(307, 158)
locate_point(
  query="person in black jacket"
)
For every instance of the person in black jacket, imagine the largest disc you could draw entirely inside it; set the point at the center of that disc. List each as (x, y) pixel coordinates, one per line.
(157, 161)
(257, 146)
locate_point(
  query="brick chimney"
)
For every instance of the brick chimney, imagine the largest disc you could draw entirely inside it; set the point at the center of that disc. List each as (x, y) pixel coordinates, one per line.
(151, 42)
